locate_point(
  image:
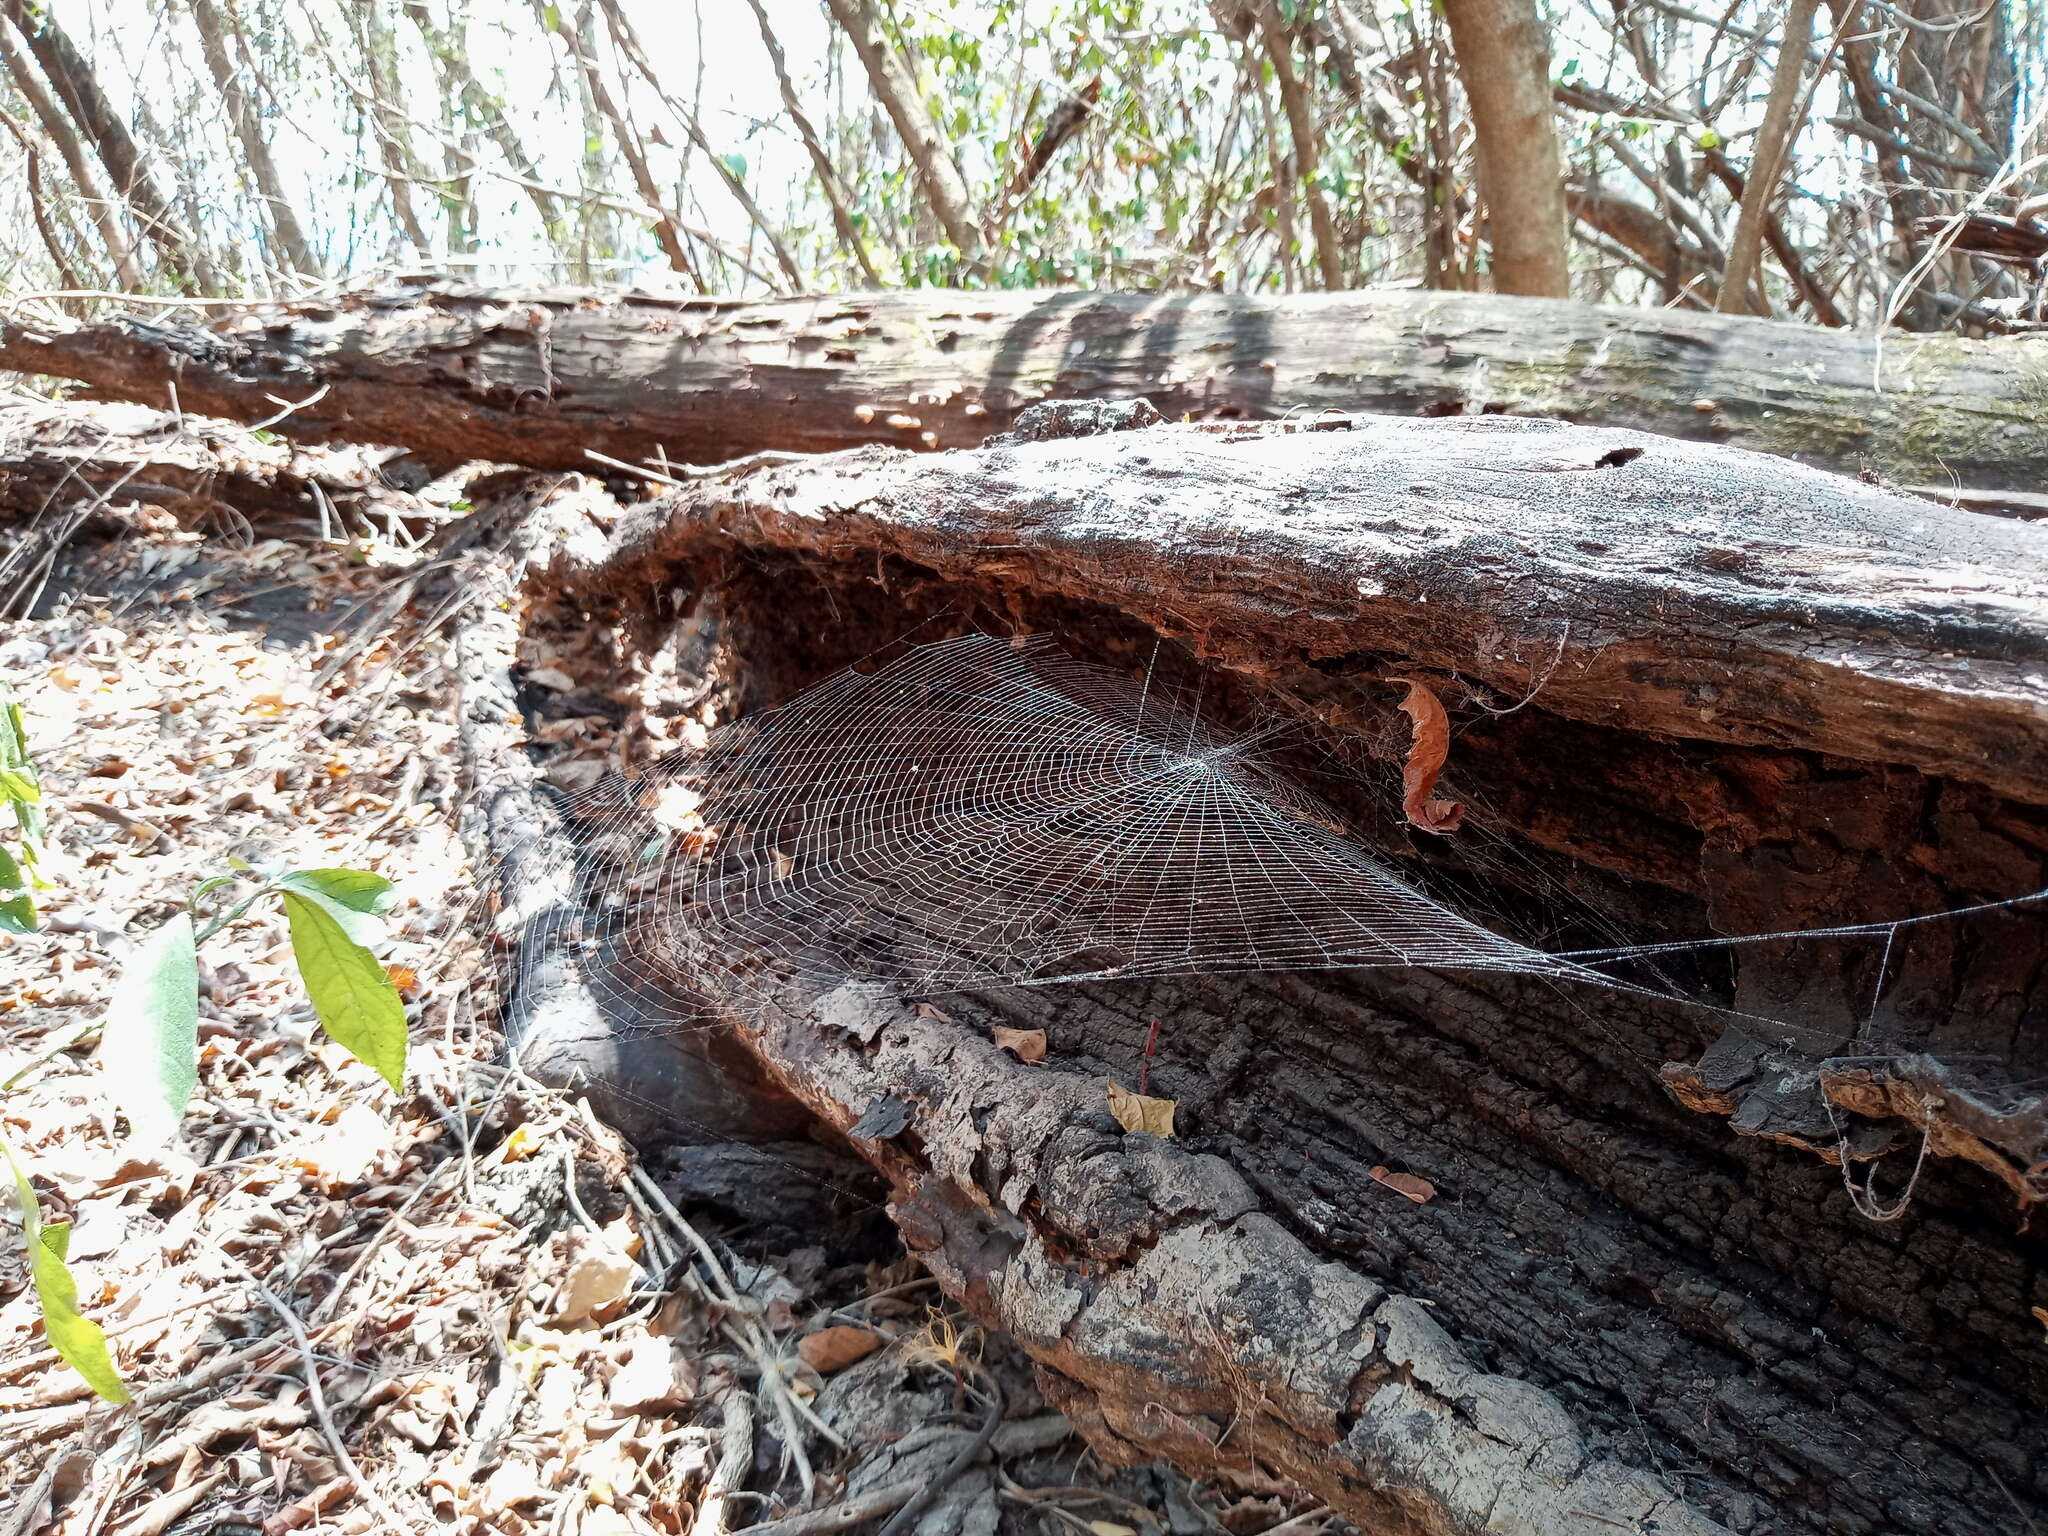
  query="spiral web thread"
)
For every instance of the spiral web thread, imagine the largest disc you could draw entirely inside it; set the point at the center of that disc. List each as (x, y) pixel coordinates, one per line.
(985, 813)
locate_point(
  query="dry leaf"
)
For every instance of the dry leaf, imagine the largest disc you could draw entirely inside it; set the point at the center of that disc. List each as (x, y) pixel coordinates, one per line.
(1421, 1191)
(653, 1377)
(1110, 1528)
(785, 866)
(1135, 1112)
(1428, 745)
(932, 1011)
(834, 1349)
(600, 1275)
(1027, 1045)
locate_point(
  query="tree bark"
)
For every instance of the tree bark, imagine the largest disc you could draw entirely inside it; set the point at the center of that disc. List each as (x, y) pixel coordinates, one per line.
(1740, 293)
(944, 190)
(1617, 1310)
(539, 377)
(1504, 60)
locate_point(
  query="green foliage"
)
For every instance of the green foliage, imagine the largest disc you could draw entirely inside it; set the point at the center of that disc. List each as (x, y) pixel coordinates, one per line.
(357, 1004)
(75, 1337)
(21, 803)
(149, 1044)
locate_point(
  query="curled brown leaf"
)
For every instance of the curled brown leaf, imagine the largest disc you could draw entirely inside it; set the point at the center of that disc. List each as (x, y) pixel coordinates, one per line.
(1429, 743)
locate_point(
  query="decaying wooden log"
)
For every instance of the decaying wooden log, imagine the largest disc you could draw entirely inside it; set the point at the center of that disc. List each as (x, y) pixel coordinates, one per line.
(1696, 689)
(542, 377)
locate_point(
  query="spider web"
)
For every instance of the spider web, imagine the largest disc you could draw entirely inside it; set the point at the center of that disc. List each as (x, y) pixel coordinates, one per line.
(984, 813)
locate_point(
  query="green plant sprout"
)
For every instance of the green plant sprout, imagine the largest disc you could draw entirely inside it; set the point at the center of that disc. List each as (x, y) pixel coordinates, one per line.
(21, 804)
(149, 1046)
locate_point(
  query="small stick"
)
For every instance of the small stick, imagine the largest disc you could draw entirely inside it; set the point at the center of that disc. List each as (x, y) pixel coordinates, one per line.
(1151, 1049)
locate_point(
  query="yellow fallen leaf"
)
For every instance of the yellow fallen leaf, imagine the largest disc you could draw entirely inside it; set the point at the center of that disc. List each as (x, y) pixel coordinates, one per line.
(1136, 1112)
(834, 1349)
(1110, 1528)
(522, 1143)
(1027, 1045)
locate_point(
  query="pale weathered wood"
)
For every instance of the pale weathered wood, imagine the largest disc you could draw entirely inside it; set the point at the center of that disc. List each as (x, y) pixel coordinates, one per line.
(539, 376)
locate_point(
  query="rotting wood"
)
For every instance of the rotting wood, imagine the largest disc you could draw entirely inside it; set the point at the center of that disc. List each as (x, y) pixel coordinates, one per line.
(1616, 1309)
(539, 376)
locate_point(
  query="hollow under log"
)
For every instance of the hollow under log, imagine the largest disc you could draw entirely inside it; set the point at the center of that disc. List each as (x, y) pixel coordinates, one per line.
(1696, 691)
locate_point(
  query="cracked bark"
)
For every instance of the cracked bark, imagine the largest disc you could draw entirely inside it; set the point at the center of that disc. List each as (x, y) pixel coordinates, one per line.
(1761, 697)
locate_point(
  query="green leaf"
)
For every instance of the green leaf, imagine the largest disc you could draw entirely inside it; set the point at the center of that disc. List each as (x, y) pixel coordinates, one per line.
(149, 1045)
(357, 1004)
(18, 912)
(19, 784)
(75, 1337)
(356, 889)
(1709, 139)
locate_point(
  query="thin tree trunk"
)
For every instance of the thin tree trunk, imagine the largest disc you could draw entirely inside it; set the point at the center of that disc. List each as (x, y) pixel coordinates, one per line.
(1504, 60)
(1307, 148)
(373, 38)
(74, 83)
(944, 190)
(247, 118)
(489, 111)
(85, 181)
(666, 230)
(1740, 291)
(821, 162)
(32, 182)
(627, 42)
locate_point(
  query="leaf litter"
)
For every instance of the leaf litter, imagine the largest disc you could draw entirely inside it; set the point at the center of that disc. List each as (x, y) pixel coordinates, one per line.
(343, 1308)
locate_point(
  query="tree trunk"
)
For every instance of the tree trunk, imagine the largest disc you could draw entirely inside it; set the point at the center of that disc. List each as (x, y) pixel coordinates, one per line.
(1614, 1308)
(1741, 292)
(1504, 59)
(538, 377)
(247, 117)
(74, 83)
(85, 182)
(944, 189)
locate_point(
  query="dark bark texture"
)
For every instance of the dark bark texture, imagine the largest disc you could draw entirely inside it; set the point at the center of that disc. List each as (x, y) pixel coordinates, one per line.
(538, 377)
(1758, 697)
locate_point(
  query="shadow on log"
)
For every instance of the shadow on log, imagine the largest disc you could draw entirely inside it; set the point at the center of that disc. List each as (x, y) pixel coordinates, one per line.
(1696, 691)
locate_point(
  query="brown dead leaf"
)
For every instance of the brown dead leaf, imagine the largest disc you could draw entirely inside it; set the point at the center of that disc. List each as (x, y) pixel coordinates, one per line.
(1421, 1191)
(1027, 1045)
(1136, 1112)
(600, 1274)
(834, 1349)
(932, 1011)
(1429, 744)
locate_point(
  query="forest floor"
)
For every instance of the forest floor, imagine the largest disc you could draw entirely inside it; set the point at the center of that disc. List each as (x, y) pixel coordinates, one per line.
(468, 1308)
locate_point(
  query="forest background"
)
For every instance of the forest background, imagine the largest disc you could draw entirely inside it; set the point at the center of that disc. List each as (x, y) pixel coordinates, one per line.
(267, 148)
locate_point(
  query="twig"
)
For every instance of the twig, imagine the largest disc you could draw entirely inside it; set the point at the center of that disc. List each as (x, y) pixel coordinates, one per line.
(317, 1397)
(735, 1461)
(838, 1517)
(968, 1454)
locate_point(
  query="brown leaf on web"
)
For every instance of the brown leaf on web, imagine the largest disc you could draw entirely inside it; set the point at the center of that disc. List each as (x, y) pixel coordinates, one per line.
(1429, 743)
(1136, 1112)
(1420, 1190)
(1027, 1045)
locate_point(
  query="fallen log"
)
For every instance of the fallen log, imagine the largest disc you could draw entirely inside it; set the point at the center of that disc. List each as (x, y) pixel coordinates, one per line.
(543, 377)
(1694, 689)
